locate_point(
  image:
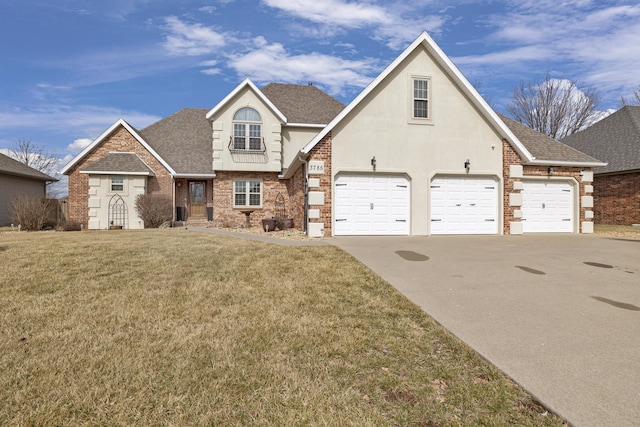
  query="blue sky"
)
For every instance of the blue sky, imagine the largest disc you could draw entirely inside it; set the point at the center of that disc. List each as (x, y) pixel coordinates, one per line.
(70, 68)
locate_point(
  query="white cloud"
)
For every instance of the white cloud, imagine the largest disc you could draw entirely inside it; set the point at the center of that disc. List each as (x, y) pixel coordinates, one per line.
(333, 12)
(191, 39)
(592, 41)
(335, 73)
(394, 24)
(79, 144)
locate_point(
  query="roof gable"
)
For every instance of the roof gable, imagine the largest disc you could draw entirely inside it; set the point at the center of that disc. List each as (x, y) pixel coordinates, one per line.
(614, 139)
(426, 42)
(303, 104)
(11, 166)
(246, 84)
(108, 132)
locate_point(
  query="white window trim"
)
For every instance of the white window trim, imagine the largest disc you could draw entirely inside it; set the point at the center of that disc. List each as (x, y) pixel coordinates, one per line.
(420, 120)
(247, 193)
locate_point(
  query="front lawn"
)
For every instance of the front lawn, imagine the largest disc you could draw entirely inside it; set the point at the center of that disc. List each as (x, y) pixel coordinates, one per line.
(173, 327)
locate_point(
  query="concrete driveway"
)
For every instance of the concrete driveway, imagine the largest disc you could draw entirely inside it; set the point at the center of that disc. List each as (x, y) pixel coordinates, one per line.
(560, 314)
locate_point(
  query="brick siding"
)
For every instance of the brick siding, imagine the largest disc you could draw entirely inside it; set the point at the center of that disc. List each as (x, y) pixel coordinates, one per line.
(616, 198)
(226, 215)
(322, 152)
(120, 140)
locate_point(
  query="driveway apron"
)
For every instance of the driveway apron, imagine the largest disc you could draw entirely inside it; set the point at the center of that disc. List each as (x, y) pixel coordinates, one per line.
(560, 314)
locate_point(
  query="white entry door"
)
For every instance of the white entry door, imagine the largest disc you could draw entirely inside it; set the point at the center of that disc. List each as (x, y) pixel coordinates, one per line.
(547, 207)
(371, 205)
(464, 205)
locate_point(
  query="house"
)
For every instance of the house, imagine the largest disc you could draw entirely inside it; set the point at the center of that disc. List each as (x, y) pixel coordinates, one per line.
(17, 179)
(616, 140)
(417, 152)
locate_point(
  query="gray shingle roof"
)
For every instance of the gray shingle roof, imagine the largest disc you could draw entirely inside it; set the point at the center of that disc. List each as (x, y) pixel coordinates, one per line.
(544, 148)
(614, 139)
(10, 166)
(118, 162)
(303, 103)
(183, 140)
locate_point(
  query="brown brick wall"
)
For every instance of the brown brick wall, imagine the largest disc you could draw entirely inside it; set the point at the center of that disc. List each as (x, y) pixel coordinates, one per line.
(224, 214)
(322, 152)
(509, 157)
(616, 198)
(120, 140)
(295, 187)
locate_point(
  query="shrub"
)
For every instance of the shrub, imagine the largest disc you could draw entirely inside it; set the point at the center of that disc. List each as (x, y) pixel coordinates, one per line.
(154, 209)
(31, 211)
(71, 226)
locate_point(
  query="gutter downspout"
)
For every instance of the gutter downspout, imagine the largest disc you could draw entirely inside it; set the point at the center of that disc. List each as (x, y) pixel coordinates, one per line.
(306, 191)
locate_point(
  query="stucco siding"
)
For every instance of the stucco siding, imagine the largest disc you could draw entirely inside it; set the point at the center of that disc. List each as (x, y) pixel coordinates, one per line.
(222, 125)
(381, 126)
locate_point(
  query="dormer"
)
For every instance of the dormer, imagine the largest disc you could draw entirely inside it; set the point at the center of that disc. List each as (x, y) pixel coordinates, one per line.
(263, 130)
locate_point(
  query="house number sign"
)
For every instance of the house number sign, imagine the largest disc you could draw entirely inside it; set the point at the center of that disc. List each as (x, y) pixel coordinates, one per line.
(316, 167)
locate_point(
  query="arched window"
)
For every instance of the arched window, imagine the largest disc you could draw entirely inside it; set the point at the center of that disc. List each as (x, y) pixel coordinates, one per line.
(247, 130)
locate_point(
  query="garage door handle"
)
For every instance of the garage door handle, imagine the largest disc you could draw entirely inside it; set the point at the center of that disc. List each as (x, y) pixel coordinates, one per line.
(371, 206)
(490, 220)
(401, 220)
(341, 219)
(566, 219)
(459, 204)
(435, 220)
(472, 204)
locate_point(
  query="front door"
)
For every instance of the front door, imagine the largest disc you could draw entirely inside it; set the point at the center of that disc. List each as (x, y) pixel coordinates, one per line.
(197, 195)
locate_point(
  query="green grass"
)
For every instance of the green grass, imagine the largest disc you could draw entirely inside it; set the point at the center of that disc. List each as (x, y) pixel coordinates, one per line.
(171, 327)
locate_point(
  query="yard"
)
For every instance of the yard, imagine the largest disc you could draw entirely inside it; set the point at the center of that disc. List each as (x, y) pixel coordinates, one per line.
(172, 327)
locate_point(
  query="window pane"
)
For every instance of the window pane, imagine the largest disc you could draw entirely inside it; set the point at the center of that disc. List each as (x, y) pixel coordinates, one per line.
(420, 89)
(247, 114)
(241, 187)
(117, 183)
(239, 129)
(254, 144)
(254, 200)
(240, 200)
(420, 109)
(254, 130)
(254, 186)
(239, 143)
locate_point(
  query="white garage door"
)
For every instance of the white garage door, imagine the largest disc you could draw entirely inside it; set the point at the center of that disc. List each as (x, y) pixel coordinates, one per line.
(547, 207)
(371, 205)
(464, 205)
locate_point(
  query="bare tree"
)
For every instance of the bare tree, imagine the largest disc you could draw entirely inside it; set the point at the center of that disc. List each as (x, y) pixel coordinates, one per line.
(35, 156)
(633, 100)
(554, 107)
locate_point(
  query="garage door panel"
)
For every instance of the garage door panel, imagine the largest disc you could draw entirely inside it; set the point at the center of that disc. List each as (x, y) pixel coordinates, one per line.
(377, 205)
(464, 205)
(547, 207)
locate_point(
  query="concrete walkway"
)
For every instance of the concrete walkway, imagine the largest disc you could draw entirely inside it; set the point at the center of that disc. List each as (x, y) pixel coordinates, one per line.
(560, 314)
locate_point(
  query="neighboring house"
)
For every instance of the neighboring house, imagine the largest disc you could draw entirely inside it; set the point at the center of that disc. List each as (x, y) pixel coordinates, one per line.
(18, 179)
(616, 140)
(417, 152)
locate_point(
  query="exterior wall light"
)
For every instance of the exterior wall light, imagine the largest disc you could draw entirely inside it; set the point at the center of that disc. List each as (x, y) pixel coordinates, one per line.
(467, 165)
(373, 162)
(550, 170)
